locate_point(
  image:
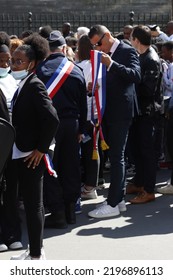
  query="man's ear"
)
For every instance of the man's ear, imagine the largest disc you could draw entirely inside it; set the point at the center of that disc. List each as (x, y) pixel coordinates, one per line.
(64, 50)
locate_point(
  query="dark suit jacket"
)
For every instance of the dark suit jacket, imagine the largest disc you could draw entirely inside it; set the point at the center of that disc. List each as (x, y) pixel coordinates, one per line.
(120, 84)
(3, 107)
(34, 117)
(70, 101)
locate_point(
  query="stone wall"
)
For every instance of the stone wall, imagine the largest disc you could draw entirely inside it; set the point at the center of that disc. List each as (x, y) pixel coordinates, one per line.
(85, 6)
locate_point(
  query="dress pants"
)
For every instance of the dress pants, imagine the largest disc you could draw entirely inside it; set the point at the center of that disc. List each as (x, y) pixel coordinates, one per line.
(144, 150)
(30, 182)
(65, 189)
(117, 134)
(90, 166)
(169, 138)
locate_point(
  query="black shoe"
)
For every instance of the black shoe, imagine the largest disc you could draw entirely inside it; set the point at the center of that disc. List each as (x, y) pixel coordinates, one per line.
(56, 220)
(70, 213)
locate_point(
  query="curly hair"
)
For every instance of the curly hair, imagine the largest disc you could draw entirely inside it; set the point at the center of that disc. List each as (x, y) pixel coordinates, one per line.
(39, 44)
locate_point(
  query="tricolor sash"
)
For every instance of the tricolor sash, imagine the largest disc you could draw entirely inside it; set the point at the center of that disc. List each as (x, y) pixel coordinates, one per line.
(49, 165)
(99, 92)
(53, 85)
(59, 77)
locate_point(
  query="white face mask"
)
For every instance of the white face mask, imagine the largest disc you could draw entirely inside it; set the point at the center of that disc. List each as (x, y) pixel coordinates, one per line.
(4, 71)
(20, 75)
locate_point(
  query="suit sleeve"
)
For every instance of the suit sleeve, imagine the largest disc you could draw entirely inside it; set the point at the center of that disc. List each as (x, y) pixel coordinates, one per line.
(129, 66)
(3, 107)
(47, 116)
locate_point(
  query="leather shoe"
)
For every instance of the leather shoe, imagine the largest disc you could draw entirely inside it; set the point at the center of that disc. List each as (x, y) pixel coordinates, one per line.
(70, 213)
(143, 197)
(56, 220)
(132, 188)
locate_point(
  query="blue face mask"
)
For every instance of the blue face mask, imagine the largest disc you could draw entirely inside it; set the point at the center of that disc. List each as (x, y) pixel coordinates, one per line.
(4, 72)
(20, 75)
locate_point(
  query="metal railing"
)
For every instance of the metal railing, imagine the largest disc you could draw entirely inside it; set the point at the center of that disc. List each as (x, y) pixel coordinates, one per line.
(17, 23)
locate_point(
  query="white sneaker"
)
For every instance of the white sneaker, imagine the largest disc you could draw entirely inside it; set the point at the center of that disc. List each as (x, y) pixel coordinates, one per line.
(122, 205)
(3, 248)
(104, 211)
(22, 256)
(26, 256)
(85, 194)
(29, 258)
(15, 245)
(166, 190)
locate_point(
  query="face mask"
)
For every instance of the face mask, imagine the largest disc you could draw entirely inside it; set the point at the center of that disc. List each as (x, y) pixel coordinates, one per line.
(20, 75)
(4, 71)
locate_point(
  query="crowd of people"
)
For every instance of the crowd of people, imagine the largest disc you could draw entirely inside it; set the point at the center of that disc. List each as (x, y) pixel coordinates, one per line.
(52, 96)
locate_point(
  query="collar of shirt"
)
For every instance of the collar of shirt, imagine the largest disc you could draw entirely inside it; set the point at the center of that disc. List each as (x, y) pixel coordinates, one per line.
(112, 50)
(114, 46)
(22, 82)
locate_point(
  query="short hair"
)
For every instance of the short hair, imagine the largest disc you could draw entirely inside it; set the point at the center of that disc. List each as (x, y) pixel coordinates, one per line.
(97, 30)
(81, 30)
(143, 34)
(45, 31)
(26, 33)
(168, 45)
(4, 38)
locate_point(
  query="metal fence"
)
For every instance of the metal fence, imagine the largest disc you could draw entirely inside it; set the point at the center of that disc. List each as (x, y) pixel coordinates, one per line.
(17, 23)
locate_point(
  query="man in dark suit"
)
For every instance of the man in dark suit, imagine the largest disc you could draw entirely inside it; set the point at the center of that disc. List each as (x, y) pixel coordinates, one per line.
(70, 102)
(123, 72)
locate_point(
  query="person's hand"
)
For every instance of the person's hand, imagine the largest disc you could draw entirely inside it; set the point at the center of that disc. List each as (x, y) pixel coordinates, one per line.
(106, 59)
(33, 160)
(80, 137)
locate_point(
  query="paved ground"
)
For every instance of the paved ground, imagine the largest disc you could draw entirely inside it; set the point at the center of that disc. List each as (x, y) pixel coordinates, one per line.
(143, 232)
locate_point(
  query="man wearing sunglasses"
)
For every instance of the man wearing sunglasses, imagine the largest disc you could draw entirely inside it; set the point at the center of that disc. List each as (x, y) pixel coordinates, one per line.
(123, 72)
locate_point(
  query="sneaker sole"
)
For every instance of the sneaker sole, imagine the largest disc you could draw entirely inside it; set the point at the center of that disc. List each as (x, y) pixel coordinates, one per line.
(103, 216)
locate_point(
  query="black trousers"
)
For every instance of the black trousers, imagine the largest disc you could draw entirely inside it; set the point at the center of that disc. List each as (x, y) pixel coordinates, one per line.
(169, 138)
(66, 160)
(143, 134)
(30, 182)
(90, 166)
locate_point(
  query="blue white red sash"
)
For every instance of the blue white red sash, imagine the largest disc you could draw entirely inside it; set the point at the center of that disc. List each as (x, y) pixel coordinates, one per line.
(98, 77)
(49, 165)
(53, 85)
(59, 77)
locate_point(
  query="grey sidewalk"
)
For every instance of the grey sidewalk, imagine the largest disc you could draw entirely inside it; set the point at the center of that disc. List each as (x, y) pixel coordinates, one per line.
(143, 232)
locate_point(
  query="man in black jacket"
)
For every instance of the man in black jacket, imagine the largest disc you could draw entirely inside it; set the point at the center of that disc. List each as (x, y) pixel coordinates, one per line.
(70, 102)
(143, 131)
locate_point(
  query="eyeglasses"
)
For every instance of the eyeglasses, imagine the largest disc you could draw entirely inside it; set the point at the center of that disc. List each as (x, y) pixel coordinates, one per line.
(99, 43)
(17, 62)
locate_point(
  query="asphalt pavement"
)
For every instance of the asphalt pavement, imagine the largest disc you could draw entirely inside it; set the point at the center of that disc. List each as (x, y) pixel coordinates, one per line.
(144, 232)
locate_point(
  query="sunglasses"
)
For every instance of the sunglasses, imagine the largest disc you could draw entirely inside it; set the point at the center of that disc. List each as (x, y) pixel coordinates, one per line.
(99, 43)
